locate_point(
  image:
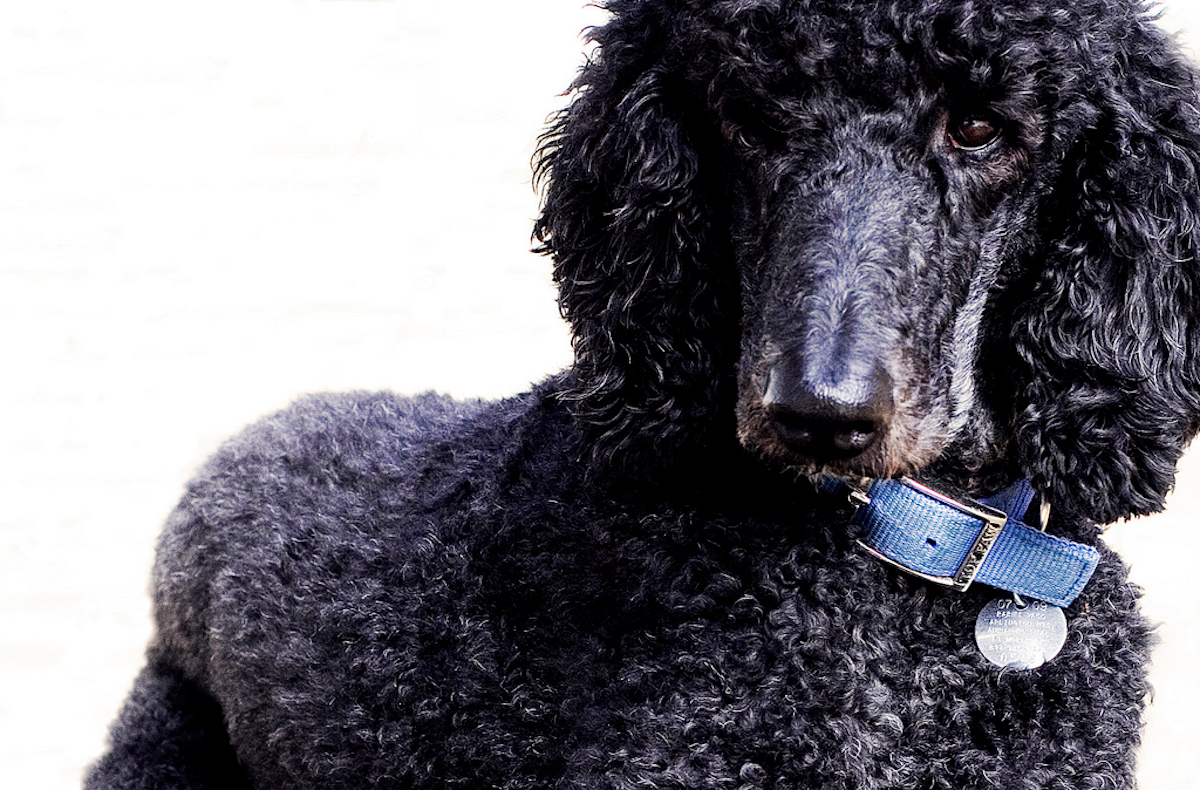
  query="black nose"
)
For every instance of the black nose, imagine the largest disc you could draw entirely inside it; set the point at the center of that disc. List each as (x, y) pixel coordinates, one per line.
(827, 416)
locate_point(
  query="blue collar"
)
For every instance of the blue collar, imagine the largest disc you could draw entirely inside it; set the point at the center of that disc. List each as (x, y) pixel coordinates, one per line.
(956, 542)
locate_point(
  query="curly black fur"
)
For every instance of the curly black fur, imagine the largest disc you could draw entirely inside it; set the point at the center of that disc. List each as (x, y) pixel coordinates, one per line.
(937, 237)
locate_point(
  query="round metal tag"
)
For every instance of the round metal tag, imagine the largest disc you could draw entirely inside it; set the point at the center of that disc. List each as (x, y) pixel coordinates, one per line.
(1020, 637)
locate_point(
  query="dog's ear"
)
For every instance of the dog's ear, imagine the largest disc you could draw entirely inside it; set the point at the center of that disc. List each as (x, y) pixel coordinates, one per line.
(1107, 335)
(629, 218)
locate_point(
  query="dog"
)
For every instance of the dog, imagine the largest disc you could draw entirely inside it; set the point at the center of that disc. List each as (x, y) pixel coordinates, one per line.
(877, 309)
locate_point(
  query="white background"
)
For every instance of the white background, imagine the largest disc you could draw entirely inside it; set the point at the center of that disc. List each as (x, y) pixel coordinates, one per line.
(208, 208)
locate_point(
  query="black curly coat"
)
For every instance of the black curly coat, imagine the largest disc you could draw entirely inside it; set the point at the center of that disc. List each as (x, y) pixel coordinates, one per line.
(861, 237)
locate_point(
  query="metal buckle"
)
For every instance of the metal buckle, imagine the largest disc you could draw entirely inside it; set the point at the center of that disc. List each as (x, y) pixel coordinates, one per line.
(993, 522)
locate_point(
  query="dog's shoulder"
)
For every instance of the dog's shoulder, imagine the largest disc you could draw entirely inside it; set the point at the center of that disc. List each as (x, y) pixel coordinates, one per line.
(318, 455)
(328, 491)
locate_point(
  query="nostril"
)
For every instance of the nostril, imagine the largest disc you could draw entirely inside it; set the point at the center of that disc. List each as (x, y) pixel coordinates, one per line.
(818, 436)
(855, 438)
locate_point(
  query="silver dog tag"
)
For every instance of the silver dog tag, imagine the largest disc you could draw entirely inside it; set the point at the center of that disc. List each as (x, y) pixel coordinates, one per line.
(1020, 637)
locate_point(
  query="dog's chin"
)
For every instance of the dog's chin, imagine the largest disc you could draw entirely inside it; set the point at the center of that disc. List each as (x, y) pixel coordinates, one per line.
(775, 452)
(903, 448)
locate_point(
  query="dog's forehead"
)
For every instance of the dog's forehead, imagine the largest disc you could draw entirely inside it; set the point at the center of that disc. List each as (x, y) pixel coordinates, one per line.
(998, 10)
(885, 48)
(953, 28)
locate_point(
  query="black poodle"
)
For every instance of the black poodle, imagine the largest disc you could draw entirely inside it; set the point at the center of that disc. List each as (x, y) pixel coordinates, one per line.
(800, 243)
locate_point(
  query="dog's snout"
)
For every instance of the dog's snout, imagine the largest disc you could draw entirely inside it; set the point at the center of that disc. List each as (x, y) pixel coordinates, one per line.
(827, 417)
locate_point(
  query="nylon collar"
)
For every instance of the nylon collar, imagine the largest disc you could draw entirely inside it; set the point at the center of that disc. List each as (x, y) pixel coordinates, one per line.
(955, 542)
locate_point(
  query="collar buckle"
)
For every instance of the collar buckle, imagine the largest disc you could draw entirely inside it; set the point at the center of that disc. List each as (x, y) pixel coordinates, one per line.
(992, 522)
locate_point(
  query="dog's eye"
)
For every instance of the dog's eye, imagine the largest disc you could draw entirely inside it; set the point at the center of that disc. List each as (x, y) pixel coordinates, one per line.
(975, 131)
(740, 136)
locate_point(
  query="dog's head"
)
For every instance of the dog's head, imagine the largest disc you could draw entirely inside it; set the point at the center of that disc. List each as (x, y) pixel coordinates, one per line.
(877, 239)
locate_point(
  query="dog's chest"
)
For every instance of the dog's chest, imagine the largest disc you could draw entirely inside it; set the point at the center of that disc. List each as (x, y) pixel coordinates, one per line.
(812, 666)
(612, 653)
(792, 667)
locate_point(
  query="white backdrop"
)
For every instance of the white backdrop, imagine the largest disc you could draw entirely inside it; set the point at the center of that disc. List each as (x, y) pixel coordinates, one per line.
(208, 208)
